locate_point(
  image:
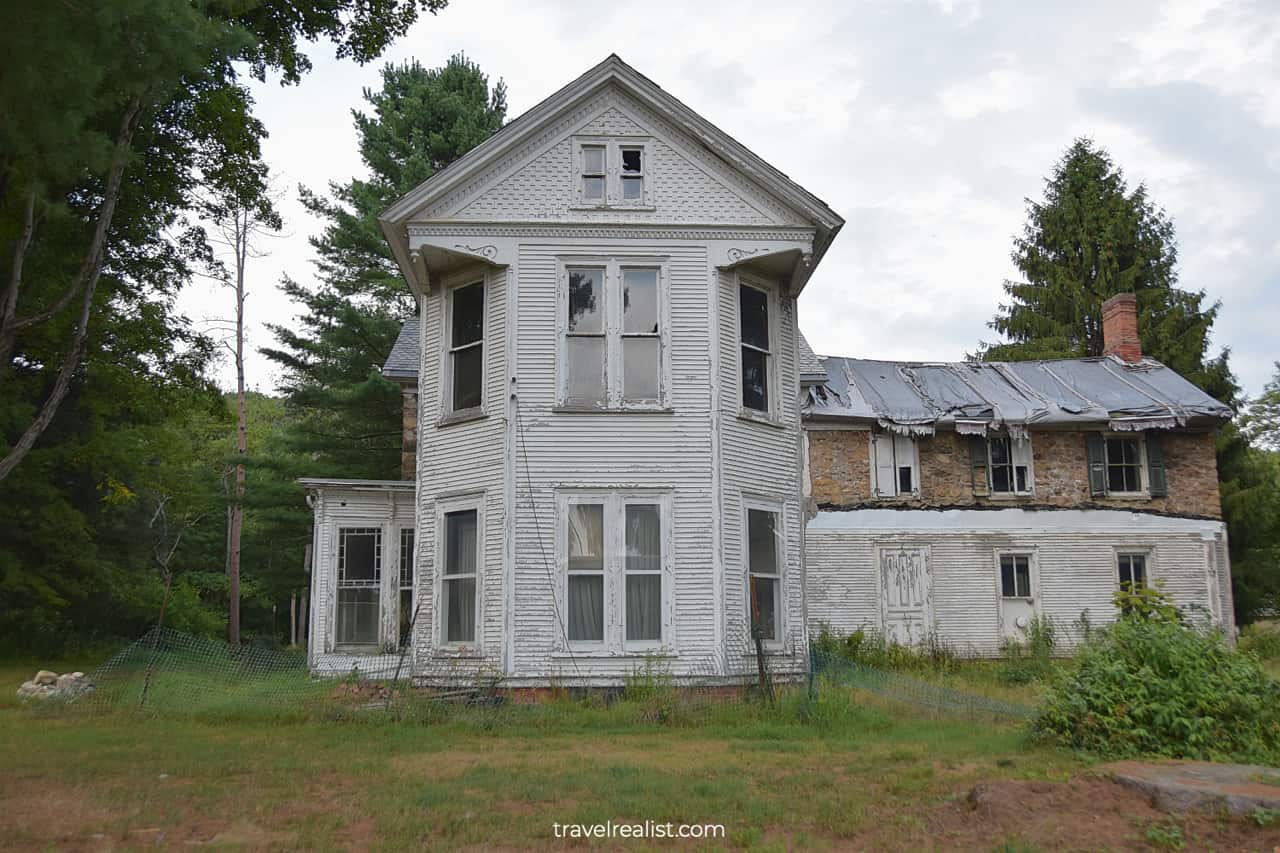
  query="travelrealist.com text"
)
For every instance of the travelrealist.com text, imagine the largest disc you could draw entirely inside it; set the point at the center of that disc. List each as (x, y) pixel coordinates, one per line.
(647, 829)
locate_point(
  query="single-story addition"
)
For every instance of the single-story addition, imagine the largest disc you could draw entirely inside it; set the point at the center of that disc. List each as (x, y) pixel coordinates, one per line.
(961, 500)
(619, 448)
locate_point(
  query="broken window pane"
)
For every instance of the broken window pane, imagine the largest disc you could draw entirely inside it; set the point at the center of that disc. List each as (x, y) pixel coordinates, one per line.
(586, 300)
(754, 308)
(639, 301)
(586, 537)
(632, 189)
(468, 365)
(755, 392)
(585, 369)
(631, 160)
(1021, 471)
(593, 159)
(641, 368)
(468, 314)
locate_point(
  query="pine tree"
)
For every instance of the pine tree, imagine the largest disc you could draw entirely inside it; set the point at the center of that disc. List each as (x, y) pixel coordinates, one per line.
(1089, 239)
(348, 415)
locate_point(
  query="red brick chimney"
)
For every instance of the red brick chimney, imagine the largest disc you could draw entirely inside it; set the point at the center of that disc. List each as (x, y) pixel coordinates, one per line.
(1120, 327)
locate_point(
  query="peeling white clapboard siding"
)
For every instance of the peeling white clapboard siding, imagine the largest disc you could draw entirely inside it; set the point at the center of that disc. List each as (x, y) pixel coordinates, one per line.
(1074, 554)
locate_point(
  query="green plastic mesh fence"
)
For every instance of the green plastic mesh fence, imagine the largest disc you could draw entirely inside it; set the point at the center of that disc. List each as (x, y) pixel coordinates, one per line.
(828, 669)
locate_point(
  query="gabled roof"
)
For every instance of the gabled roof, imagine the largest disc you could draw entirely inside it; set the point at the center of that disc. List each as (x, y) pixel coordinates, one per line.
(917, 397)
(612, 71)
(402, 361)
(811, 369)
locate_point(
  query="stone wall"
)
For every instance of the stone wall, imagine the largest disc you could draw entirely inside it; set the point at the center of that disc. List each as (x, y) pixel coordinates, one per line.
(840, 471)
(409, 444)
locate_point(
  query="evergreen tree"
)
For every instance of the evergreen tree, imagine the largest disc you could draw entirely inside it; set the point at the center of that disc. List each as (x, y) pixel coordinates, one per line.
(348, 413)
(1089, 239)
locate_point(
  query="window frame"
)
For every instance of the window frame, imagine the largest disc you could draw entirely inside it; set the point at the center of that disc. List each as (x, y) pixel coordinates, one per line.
(1028, 458)
(361, 526)
(444, 508)
(1144, 479)
(1148, 564)
(613, 146)
(1033, 575)
(872, 457)
(772, 388)
(781, 621)
(614, 333)
(406, 555)
(614, 640)
(461, 279)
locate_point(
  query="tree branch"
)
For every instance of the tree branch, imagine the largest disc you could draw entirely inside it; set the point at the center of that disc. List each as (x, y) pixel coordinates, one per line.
(9, 309)
(89, 273)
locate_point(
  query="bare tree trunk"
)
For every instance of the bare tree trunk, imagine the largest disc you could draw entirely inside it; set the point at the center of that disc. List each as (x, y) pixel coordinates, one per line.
(241, 245)
(88, 275)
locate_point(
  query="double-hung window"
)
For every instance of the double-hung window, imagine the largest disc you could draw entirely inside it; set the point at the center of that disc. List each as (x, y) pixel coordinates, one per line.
(754, 333)
(359, 585)
(764, 574)
(1009, 465)
(458, 578)
(1124, 465)
(894, 472)
(1015, 575)
(613, 335)
(406, 583)
(465, 375)
(615, 570)
(611, 171)
(1133, 571)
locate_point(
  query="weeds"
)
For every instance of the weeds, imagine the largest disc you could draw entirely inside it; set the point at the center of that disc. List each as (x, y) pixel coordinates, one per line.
(870, 647)
(1031, 660)
(1166, 834)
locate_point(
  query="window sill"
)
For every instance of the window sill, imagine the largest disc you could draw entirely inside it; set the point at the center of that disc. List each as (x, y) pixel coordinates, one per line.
(631, 208)
(570, 409)
(446, 653)
(462, 417)
(1010, 496)
(752, 416)
(1126, 496)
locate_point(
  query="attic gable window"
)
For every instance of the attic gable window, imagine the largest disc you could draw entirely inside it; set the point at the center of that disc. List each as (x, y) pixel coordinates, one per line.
(611, 171)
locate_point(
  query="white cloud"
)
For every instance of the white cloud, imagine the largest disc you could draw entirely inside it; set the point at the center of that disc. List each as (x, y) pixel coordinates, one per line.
(924, 123)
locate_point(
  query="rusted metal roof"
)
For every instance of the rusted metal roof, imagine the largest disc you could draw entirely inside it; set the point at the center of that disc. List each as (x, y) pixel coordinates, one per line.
(971, 397)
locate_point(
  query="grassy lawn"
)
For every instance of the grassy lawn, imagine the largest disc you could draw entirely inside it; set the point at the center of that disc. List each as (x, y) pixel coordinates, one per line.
(852, 772)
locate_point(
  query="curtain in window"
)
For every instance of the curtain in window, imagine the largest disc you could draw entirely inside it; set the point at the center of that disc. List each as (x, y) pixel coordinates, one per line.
(460, 537)
(461, 530)
(460, 607)
(644, 554)
(586, 608)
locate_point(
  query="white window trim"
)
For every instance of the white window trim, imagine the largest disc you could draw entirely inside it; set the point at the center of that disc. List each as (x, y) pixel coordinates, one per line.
(447, 413)
(1144, 477)
(778, 508)
(772, 389)
(1029, 459)
(358, 523)
(614, 642)
(445, 506)
(875, 474)
(613, 266)
(1033, 570)
(613, 146)
(400, 530)
(1149, 552)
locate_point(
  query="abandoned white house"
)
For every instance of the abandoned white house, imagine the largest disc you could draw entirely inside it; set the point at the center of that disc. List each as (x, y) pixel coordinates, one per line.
(618, 445)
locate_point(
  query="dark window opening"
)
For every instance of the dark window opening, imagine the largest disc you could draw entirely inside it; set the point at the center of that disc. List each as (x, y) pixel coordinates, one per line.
(753, 305)
(1124, 471)
(1015, 576)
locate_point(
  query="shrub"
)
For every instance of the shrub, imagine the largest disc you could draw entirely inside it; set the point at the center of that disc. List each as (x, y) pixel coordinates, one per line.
(1031, 660)
(1263, 639)
(870, 647)
(1148, 685)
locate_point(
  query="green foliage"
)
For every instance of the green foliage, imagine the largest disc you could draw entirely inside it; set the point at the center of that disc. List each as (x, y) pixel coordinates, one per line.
(1151, 686)
(1031, 660)
(349, 416)
(1147, 602)
(1263, 816)
(1261, 639)
(870, 647)
(1261, 422)
(1166, 834)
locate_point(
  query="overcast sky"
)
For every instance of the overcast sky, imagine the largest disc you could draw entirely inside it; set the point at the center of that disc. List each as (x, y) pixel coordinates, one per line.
(924, 124)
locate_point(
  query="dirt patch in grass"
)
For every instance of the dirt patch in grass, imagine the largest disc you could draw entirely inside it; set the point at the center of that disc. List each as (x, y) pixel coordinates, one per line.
(1084, 813)
(37, 814)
